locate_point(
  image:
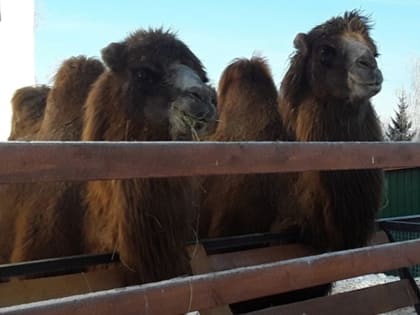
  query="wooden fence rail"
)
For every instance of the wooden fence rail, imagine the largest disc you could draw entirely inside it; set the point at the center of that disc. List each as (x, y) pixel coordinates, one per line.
(52, 161)
(79, 161)
(205, 291)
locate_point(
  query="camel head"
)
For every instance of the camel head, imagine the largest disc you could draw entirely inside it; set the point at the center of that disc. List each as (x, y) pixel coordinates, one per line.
(338, 59)
(163, 83)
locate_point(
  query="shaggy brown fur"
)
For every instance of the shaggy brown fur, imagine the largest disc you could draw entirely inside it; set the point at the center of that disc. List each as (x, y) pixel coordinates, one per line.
(325, 97)
(47, 216)
(64, 111)
(28, 105)
(247, 106)
(147, 221)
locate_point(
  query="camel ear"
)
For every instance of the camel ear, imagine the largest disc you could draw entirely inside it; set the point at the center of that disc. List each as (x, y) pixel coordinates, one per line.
(114, 55)
(301, 43)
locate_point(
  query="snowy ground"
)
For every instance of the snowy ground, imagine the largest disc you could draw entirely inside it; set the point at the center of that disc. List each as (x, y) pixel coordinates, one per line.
(367, 281)
(363, 282)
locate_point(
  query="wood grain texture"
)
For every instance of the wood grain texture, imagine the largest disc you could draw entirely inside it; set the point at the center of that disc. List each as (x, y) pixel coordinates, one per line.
(206, 291)
(54, 161)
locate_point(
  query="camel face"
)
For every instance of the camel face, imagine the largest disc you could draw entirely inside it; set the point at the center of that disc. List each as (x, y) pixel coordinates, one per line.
(345, 67)
(364, 77)
(160, 86)
(192, 113)
(339, 61)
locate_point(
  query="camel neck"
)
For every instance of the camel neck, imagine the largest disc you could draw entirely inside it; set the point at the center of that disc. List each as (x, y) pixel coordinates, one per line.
(336, 121)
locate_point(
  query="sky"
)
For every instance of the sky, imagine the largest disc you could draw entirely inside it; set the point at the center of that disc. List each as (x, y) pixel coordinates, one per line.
(220, 31)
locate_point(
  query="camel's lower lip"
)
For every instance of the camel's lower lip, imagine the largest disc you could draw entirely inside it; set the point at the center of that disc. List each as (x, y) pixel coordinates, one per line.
(374, 84)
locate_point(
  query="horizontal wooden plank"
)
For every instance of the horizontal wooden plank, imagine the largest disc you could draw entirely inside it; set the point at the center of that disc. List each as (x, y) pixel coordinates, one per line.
(29, 290)
(372, 300)
(206, 291)
(51, 161)
(258, 256)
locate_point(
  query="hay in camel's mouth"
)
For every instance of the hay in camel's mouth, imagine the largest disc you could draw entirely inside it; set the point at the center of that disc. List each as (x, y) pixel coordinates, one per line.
(192, 124)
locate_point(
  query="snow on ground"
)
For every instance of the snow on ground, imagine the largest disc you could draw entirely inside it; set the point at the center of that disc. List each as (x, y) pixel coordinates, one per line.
(367, 281)
(363, 282)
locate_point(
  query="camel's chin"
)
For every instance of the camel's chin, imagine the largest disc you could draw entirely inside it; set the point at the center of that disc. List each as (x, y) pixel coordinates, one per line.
(363, 89)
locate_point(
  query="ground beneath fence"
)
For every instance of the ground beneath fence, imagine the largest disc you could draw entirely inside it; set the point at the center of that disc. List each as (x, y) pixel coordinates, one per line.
(363, 282)
(370, 280)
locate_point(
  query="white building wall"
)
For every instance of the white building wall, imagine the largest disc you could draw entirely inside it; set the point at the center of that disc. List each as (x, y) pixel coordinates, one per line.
(17, 60)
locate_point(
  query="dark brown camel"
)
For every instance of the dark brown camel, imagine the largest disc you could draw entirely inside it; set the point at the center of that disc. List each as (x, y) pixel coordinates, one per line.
(28, 105)
(64, 111)
(247, 107)
(46, 222)
(155, 89)
(325, 96)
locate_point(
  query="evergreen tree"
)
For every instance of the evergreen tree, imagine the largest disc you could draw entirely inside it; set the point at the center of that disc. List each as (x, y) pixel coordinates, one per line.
(400, 127)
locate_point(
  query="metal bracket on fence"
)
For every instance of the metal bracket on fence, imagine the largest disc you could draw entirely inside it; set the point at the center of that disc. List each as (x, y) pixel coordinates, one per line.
(404, 273)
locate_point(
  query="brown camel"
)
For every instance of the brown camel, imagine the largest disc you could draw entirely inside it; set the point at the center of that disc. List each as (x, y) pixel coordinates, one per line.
(155, 89)
(64, 110)
(47, 221)
(325, 96)
(28, 105)
(247, 108)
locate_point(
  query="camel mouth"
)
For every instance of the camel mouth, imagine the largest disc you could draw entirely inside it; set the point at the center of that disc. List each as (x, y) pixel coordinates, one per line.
(357, 80)
(371, 87)
(196, 126)
(199, 124)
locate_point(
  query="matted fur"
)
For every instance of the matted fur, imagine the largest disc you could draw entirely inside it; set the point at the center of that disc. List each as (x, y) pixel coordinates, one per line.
(247, 107)
(28, 105)
(43, 219)
(335, 210)
(147, 221)
(64, 111)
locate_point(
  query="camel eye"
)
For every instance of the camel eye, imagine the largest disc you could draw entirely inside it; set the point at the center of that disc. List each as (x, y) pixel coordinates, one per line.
(146, 75)
(327, 54)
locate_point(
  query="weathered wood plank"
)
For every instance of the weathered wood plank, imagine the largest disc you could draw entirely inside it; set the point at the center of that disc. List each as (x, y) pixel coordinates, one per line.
(200, 264)
(372, 300)
(258, 256)
(29, 290)
(50, 161)
(206, 291)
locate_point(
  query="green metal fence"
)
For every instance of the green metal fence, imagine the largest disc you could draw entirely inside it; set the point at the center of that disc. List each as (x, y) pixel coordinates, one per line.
(402, 197)
(402, 193)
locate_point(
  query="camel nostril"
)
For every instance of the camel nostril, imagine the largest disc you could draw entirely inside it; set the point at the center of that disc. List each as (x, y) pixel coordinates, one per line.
(196, 96)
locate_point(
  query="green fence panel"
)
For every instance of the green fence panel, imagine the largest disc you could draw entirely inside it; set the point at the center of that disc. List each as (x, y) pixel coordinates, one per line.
(402, 193)
(402, 197)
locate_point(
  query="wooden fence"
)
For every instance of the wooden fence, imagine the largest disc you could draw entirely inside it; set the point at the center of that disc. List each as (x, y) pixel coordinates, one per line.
(49, 161)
